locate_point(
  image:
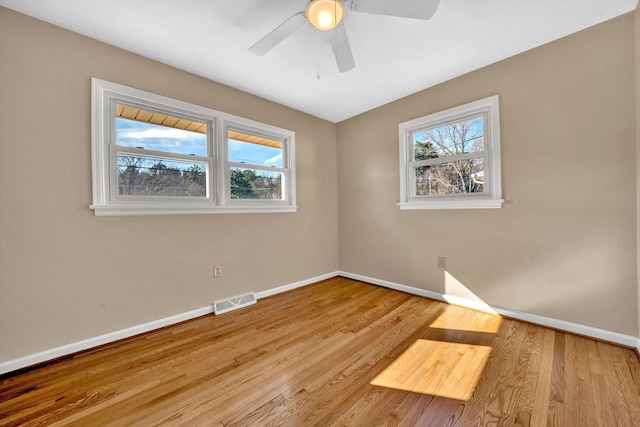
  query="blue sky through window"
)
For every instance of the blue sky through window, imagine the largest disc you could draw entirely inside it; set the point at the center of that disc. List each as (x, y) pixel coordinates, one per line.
(132, 133)
(464, 136)
(250, 153)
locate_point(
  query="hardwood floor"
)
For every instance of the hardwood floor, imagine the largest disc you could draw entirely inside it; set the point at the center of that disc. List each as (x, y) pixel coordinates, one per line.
(339, 352)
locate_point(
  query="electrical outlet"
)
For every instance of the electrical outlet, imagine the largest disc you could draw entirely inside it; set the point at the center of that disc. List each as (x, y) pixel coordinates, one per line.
(442, 262)
(217, 271)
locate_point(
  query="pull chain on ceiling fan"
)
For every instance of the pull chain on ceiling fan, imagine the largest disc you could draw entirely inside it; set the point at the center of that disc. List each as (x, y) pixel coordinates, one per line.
(324, 15)
(328, 15)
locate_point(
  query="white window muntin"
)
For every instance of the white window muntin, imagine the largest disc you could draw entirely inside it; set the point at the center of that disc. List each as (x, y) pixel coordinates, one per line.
(105, 95)
(491, 196)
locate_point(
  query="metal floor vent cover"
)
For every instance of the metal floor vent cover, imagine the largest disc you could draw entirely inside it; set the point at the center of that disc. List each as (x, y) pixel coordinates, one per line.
(235, 303)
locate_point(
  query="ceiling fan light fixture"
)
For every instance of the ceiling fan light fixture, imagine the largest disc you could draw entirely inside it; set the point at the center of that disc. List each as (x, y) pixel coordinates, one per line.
(325, 15)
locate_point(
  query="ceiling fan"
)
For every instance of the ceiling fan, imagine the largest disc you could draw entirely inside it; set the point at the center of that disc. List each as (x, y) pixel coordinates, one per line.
(327, 15)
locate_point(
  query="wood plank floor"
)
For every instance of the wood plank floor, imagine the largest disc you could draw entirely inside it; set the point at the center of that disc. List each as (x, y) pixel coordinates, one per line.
(339, 352)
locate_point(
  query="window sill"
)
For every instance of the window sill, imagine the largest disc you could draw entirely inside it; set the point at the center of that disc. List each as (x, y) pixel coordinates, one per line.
(466, 203)
(101, 210)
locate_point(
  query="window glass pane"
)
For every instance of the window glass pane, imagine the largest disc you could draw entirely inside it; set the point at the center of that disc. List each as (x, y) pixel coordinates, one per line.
(459, 177)
(466, 136)
(256, 150)
(255, 184)
(149, 176)
(154, 131)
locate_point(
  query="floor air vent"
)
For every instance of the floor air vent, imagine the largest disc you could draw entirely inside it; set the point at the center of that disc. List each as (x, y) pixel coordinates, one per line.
(223, 306)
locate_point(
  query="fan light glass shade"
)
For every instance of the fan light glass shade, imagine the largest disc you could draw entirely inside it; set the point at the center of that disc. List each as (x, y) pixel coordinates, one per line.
(325, 15)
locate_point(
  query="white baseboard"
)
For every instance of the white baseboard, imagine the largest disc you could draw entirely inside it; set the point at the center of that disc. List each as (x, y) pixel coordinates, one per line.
(291, 286)
(33, 359)
(563, 325)
(54, 353)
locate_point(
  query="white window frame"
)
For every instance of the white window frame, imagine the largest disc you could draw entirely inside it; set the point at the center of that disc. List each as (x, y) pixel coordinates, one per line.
(288, 189)
(491, 197)
(106, 201)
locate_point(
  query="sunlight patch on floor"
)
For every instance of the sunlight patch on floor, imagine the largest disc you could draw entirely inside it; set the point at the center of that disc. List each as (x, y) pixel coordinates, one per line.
(437, 368)
(463, 319)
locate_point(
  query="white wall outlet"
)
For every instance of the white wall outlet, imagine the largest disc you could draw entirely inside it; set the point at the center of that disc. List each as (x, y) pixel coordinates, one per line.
(442, 262)
(217, 271)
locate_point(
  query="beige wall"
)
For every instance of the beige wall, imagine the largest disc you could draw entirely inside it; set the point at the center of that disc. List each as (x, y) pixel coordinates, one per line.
(637, 43)
(67, 275)
(564, 244)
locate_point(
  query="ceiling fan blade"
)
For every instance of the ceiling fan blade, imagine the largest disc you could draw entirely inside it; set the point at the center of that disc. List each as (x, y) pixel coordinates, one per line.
(280, 33)
(417, 9)
(341, 48)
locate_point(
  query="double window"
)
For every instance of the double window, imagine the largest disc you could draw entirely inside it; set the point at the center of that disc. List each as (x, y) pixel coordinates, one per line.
(157, 155)
(451, 159)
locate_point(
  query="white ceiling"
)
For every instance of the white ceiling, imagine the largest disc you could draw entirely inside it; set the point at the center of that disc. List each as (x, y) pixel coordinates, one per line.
(394, 56)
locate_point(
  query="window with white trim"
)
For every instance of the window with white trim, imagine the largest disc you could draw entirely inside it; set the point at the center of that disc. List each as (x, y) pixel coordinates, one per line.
(451, 159)
(156, 155)
(254, 169)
